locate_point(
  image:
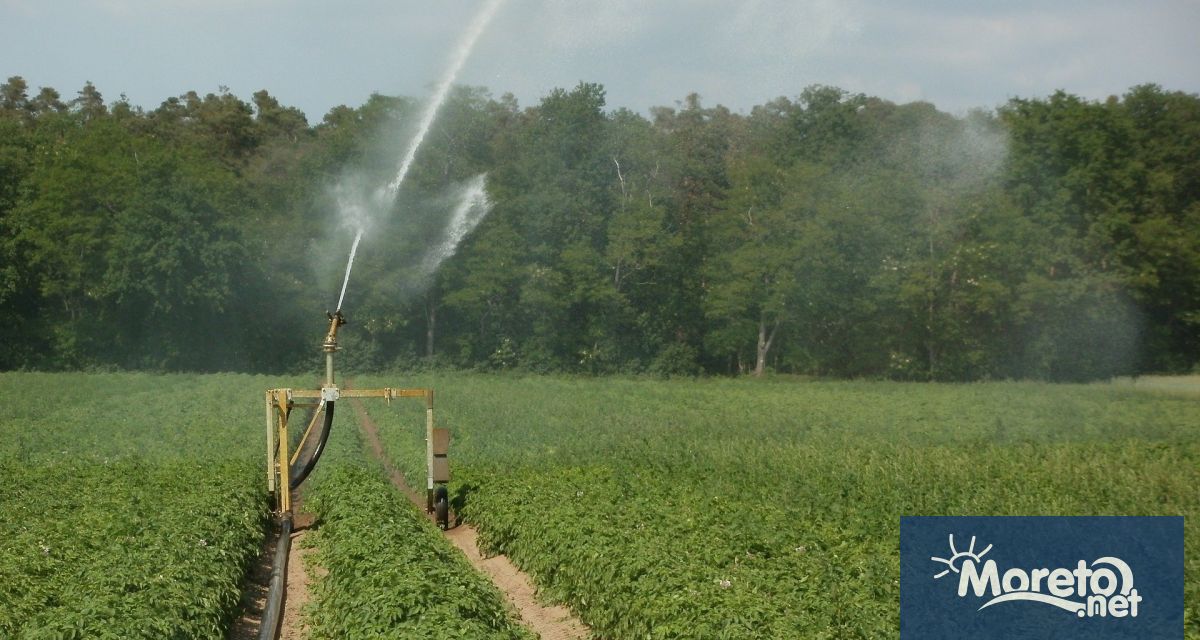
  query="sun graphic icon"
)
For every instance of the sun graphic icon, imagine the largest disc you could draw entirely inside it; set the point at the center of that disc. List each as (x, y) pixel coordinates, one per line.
(958, 557)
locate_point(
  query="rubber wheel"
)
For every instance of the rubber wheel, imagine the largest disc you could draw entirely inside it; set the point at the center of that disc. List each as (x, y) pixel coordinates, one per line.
(441, 508)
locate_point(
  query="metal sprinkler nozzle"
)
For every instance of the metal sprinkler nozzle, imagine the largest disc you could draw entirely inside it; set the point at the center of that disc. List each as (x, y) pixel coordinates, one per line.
(336, 319)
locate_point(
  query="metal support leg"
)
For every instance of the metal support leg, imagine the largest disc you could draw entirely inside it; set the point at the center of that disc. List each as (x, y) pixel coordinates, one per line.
(282, 409)
(429, 450)
(270, 445)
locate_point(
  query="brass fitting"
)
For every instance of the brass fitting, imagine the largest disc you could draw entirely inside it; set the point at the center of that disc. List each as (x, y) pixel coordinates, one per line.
(336, 320)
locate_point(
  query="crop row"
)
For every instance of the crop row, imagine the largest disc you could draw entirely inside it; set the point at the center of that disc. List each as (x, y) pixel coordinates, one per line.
(385, 570)
(732, 510)
(132, 504)
(125, 550)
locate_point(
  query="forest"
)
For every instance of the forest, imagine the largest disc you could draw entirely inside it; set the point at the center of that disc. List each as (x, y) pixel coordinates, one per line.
(828, 234)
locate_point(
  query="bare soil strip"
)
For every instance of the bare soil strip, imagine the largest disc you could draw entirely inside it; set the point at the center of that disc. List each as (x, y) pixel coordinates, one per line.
(254, 594)
(552, 622)
(292, 626)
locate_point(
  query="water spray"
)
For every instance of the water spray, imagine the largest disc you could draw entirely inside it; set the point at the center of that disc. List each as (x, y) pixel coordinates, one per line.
(461, 52)
(349, 266)
(385, 197)
(472, 206)
(285, 473)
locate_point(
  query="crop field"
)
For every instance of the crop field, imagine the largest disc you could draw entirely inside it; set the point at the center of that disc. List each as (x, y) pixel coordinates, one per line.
(132, 504)
(386, 571)
(743, 509)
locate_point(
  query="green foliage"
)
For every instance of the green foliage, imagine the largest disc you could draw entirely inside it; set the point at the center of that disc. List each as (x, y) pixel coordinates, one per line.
(731, 509)
(831, 234)
(386, 571)
(133, 505)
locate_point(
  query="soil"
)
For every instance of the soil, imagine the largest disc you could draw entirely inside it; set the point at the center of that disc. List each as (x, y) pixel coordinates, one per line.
(254, 592)
(292, 626)
(550, 622)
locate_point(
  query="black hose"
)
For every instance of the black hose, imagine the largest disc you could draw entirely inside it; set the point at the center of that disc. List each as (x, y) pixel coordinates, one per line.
(278, 585)
(298, 476)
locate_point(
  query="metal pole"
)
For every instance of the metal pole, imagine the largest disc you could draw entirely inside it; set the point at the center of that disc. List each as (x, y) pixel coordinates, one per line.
(329, 346)
(270, 445)
(429, 450)
(285, 496)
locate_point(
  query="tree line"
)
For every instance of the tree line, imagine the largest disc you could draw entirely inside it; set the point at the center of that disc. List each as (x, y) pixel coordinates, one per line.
(830, 234)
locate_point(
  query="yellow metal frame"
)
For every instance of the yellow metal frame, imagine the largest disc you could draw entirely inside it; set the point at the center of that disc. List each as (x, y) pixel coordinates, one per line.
(281, 402)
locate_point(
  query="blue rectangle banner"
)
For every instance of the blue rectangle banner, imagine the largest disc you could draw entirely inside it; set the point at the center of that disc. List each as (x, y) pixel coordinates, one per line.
(1093, 577)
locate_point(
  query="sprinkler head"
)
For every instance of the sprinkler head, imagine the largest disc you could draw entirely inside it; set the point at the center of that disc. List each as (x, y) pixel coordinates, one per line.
(336, 319)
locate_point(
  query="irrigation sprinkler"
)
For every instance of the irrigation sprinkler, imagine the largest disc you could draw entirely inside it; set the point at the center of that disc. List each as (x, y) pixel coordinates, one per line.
(285, 473)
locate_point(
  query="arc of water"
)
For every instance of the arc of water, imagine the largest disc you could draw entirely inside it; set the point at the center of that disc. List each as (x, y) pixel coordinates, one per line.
(472, 206)
(439, 95)
(387, 195)
(349, 265)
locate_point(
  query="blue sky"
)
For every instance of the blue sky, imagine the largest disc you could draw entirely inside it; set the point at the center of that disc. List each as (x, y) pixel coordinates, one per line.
(316, 54)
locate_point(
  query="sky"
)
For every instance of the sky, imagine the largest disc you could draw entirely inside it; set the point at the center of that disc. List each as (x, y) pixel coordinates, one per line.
(317, 54)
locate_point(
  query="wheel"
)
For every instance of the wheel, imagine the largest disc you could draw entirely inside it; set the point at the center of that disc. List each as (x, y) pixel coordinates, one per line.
(441, 508)
(442, 513)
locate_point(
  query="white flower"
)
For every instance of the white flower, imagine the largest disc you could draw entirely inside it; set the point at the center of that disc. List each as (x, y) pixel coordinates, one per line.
(203, 542)
(725, 584)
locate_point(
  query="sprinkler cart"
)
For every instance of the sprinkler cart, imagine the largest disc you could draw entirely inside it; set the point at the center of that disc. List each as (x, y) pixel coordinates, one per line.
(285, 472)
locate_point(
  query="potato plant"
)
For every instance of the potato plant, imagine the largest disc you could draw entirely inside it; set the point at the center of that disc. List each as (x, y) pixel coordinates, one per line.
(131, 504)
(385, 571)
(770, 509)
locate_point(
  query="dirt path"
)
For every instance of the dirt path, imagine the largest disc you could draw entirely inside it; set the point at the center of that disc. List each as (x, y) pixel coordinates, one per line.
(254, 594)
(550, 622)
(292, 626)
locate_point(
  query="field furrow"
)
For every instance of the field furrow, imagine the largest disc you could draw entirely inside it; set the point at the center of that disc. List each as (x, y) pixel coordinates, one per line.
(385, 570)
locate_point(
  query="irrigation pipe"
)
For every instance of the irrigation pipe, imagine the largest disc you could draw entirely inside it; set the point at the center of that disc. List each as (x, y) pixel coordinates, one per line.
(298, 476)
(278, 585)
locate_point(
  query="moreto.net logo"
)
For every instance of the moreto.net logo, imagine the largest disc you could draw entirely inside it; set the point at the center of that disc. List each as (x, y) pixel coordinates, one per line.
(1104, 587)
(1017, 577)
